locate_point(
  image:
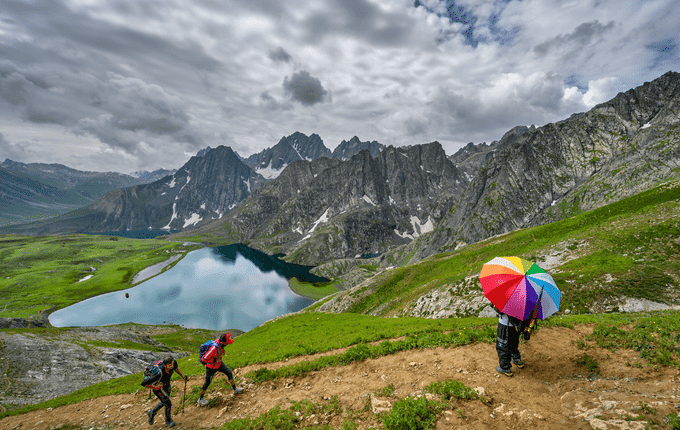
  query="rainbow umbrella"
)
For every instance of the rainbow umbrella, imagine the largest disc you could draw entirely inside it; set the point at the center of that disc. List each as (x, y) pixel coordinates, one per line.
(520, 288)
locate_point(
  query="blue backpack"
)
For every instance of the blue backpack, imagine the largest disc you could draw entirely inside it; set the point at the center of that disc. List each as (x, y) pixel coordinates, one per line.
(204, 348)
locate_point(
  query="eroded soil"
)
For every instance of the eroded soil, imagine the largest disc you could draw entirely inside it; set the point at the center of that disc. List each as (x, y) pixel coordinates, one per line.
(552, 392)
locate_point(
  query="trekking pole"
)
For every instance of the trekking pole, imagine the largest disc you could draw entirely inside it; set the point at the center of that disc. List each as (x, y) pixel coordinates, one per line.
(185, 391)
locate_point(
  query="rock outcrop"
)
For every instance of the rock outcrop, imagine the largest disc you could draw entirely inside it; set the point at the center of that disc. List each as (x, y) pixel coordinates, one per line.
(38, 367)
(327, 209)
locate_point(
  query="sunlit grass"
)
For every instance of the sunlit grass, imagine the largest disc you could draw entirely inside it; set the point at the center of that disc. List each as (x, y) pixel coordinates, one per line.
(51, 272)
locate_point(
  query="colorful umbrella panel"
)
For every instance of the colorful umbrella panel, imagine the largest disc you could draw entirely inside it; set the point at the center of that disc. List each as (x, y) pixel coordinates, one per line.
(516, 286)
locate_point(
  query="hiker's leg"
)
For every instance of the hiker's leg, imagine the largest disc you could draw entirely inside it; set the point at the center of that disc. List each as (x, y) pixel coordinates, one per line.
(156, 408)
(209, 373)
(230, 376)
(227, 372)
(513, 343)
(165, 398)
(502, 347)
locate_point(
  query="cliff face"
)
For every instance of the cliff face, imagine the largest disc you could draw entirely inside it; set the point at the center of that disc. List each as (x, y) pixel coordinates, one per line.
(326, 209)
(615, 150)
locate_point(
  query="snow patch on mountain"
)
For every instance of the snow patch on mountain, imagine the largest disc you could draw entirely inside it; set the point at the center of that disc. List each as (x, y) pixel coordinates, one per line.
(173, 217)
(268, 172)
(193, 220)
(368, 200)
(420, 228)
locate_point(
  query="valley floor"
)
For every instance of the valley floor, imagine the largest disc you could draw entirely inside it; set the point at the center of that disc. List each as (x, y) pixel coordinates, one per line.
(552, 392)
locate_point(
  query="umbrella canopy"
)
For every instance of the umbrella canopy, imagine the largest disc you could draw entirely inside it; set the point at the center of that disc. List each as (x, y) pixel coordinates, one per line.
(515, 286)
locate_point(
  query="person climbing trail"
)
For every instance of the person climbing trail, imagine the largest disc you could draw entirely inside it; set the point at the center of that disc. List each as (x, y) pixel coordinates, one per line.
(211, 353)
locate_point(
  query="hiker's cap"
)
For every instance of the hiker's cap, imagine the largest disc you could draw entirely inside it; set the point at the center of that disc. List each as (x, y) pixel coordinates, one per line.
(226, 338)
(168, 360)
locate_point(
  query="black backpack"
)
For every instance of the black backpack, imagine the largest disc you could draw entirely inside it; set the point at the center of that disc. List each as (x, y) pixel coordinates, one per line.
(152, 374)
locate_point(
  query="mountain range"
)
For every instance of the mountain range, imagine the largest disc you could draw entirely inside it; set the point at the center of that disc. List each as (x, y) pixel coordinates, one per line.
(365, 199)
(36, 190)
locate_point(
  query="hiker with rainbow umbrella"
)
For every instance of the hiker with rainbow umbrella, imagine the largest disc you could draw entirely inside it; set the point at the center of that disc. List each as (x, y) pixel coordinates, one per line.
(521, 293)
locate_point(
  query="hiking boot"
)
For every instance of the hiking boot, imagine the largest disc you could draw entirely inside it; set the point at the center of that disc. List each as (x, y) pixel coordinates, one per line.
(170, 423)
(202, 401)
(237, 390)
(504, 372)
(519, 363)
(150, 414)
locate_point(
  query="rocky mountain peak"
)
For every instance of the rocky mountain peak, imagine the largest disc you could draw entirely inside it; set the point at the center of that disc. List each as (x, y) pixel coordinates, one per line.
(271, 162)
(347, 149)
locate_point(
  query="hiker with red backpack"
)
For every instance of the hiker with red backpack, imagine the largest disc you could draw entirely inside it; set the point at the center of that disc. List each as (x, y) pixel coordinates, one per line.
(210, 355)
(159, 382)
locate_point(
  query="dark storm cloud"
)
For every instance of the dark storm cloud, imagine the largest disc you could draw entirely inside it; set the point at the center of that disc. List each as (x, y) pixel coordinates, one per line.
(304, 88)
(133, 110)
(280, 55)
(582, 36)
(81, 40)
(269, 102)
(359, 19)
(119, 111)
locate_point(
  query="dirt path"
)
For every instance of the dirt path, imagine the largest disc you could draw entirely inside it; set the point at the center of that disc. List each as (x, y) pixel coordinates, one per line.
(551, 392)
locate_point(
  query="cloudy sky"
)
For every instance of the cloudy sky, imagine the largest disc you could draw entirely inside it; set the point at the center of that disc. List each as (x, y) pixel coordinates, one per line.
(130, 85)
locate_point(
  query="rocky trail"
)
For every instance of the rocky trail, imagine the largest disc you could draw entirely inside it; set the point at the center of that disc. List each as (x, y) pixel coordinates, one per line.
(552, 392)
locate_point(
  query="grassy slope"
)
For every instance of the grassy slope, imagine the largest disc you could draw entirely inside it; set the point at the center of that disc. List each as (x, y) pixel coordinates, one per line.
(628, 248)
(654, 334)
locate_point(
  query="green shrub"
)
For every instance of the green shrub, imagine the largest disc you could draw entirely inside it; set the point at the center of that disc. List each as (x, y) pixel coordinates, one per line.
(449, 389)
(413, 413)
(590, 363)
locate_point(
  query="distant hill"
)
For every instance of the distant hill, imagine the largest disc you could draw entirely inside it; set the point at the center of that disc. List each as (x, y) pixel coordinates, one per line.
(36, 190)
(205, 188)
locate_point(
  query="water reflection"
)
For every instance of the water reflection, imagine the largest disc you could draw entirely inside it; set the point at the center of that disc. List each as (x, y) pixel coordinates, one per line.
(204, 290)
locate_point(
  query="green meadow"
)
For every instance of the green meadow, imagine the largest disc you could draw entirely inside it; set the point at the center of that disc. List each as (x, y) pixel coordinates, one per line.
(46, 273)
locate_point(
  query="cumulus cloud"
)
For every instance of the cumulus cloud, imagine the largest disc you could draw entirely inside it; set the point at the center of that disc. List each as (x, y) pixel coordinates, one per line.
(305, 88)
(137, 85)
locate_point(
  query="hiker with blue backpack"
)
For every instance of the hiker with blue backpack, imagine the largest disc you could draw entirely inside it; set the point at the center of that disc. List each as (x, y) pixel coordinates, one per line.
(157, 377)
(210, 355)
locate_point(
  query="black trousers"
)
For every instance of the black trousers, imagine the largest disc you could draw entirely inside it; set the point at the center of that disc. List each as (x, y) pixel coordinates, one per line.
(507, 342)
(163, 395)
(210, 373)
